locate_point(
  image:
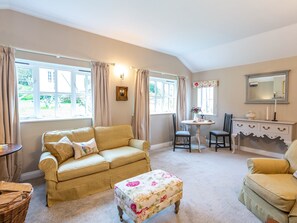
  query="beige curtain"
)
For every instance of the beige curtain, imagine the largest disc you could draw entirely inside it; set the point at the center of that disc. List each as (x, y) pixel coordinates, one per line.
(181, 105)
(10, 166)
(141, 124)
(100, 84)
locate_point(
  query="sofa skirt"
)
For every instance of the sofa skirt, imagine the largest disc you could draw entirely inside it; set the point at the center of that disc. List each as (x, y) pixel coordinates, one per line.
(259, 207)
(83, 186)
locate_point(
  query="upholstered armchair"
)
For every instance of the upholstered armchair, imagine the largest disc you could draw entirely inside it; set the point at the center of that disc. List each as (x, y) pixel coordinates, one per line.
(270, 189)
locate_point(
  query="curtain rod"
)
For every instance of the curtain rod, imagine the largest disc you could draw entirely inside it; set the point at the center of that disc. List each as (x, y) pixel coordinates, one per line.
(160, 72)
(57, 56)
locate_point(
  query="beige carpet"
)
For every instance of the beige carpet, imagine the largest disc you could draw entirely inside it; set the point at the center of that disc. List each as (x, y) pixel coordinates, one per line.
(212, 181)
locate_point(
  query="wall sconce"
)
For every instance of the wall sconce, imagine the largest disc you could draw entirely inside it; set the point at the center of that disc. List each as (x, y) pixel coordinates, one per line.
(120, 71)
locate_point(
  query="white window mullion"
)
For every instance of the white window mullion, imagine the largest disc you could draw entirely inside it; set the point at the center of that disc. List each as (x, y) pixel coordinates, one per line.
(73, 93)
(36, 90)
(56, 92)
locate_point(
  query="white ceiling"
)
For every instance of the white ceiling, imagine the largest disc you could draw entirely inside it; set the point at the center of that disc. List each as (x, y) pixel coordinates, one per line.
(203, 34)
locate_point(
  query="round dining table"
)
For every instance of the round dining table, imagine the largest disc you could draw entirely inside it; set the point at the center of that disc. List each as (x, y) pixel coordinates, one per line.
(198, 123)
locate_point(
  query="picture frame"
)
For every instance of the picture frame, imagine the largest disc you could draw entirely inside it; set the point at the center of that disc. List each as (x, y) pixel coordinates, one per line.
(121, 93)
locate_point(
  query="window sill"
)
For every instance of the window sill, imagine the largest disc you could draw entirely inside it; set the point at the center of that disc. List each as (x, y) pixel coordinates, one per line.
(163, 113)
(53, 120)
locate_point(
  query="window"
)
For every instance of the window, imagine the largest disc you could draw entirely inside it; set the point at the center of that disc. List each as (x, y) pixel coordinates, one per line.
(207, 96)
(162, 95)
(49, 91)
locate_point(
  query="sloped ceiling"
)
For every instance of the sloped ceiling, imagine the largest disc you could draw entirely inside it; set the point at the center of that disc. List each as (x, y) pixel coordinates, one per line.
(204, 35)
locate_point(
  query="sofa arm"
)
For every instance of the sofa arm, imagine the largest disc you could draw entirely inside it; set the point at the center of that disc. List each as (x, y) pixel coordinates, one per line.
(268, 165)
(140, 144)
(293, 213)
(49, 165)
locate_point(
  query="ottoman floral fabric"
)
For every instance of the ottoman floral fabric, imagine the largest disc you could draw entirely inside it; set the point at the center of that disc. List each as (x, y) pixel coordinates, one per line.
(144, 195)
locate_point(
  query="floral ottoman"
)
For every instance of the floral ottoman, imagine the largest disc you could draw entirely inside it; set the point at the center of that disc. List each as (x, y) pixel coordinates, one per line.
(147, 194)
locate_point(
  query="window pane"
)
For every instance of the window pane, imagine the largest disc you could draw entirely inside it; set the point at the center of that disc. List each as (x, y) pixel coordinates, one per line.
(166, 89)
(152, 88)
(47, 105)
(64, 105)
(89, 105)
(25, 79)
(80, 83)
(46, 80)
(80, 105)
(159, 90)
(171, 90)
(26, 105)
(64, 81)
(159, 105)
(152, 105)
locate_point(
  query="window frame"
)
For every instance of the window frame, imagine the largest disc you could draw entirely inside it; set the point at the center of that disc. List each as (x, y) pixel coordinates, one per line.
(36, 92)
(163, 97)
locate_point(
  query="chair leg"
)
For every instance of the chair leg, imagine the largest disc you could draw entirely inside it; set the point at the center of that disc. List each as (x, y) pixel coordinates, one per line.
(190, 144)
(174, 140)
(230, 142)
(209, 140)
(216, 148)
(224, 141)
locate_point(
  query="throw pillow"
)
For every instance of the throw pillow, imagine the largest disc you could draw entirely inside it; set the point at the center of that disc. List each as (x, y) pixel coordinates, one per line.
(62, 150)
(295, 174)
(84, 148)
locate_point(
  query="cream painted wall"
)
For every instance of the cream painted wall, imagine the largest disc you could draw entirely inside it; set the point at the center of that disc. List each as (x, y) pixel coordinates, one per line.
(231, 92)
(26, 32)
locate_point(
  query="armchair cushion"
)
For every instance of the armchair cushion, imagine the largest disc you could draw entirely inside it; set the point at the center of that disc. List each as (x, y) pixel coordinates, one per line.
(291, 156)
(122, 156)
(87, 165)
(62, 149)
(280, 190)
(268, 165)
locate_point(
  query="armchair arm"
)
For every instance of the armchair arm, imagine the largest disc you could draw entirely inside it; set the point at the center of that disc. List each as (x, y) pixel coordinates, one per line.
(140, 144)
(268, 165)
(49, 165)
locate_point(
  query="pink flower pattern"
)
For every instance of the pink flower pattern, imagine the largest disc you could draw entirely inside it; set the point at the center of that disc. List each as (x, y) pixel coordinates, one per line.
(154, 183)
(133, 183)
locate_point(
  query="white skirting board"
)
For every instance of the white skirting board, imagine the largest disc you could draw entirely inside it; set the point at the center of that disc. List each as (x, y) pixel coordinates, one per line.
(31, 175)
(161, 145)
(259, 151)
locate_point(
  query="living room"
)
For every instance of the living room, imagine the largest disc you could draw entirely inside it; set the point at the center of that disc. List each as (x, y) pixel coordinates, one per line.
(37, 36)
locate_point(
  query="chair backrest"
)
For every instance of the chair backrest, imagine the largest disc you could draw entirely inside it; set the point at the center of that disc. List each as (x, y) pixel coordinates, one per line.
(174, 122)
(291, 156)
(228, 123)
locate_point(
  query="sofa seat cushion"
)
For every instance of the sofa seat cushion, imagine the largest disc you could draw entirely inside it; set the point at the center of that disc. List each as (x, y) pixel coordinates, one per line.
(84, 166)
(122, 156)
(280, 190)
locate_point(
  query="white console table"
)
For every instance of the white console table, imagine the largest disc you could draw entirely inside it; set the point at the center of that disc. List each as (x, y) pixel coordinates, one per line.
(259, 128)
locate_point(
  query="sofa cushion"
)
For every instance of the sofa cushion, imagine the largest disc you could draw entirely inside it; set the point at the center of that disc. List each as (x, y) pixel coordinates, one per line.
(122, 156)
(77, 135)
(280, 190)
(113, 136)
(62, 150)
(87, 165)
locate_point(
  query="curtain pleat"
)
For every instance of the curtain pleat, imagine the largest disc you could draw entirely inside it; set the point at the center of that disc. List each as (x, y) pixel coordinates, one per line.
(141, 124)
(181, 105)
(100, 85)
(10, 166)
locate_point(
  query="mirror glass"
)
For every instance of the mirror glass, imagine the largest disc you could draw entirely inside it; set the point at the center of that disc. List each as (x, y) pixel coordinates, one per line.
(267, 87)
